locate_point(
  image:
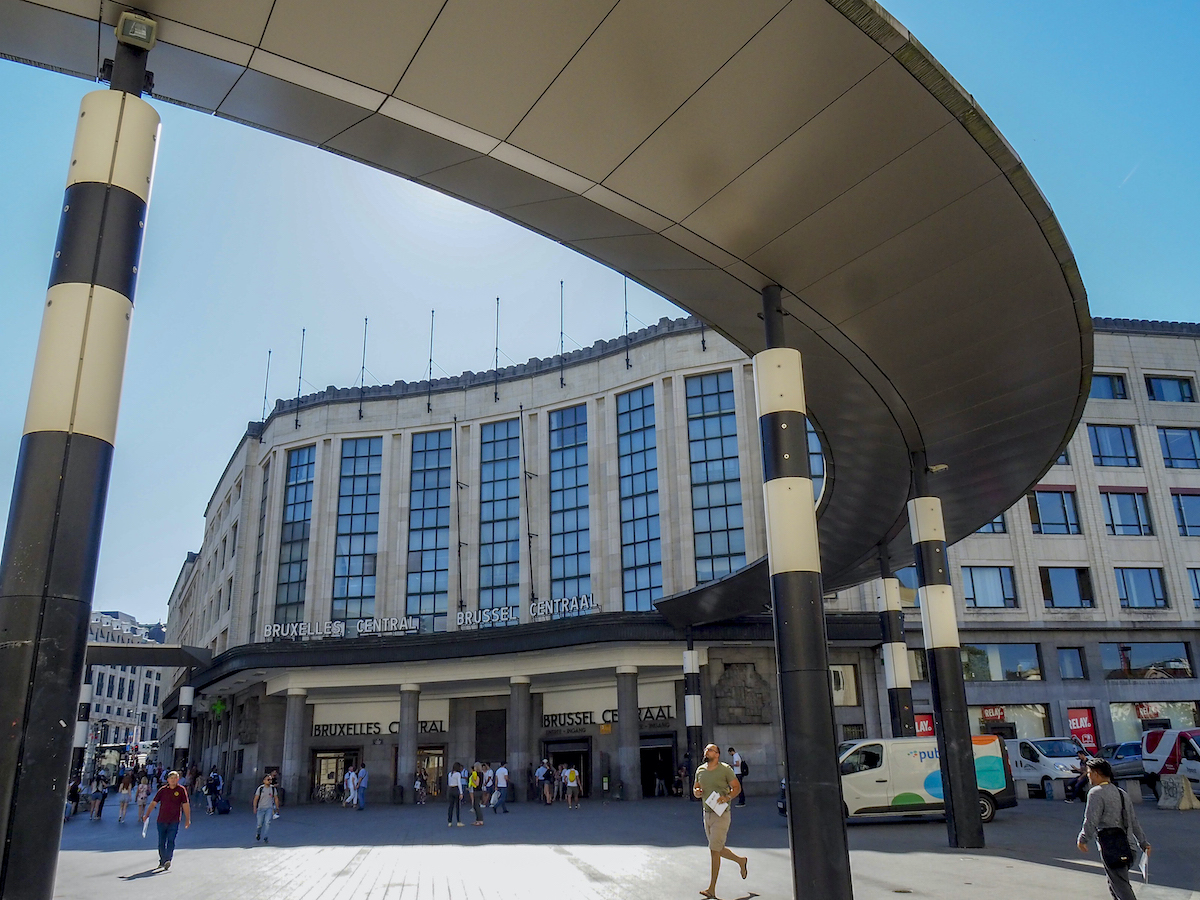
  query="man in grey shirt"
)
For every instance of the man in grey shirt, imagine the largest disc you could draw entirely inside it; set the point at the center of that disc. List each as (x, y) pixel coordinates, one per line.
(1108, 807)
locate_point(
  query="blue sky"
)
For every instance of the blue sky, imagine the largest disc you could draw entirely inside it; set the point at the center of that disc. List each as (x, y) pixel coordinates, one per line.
(252, 237)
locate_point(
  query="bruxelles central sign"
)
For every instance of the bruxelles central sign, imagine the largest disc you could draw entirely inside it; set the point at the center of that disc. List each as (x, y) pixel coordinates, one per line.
(337, 628)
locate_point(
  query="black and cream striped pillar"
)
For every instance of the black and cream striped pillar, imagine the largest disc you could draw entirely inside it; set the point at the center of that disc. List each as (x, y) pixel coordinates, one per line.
(83, 722)
(48, 567)
(816, 827)
(939, 621)
(183, 728)
(693, 714)
(895, 654)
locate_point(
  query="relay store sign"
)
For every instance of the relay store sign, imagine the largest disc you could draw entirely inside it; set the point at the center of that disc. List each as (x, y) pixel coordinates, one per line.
(337, 628)
(924, 724)
(1083, 727)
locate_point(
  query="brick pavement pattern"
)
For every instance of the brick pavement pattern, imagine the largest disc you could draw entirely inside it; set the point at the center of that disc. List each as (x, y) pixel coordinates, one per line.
(653, 849)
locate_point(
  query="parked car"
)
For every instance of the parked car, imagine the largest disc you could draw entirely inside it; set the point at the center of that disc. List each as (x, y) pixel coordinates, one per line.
(1038, 761)
(1126, 759)
(902, 776)
(1171, 751)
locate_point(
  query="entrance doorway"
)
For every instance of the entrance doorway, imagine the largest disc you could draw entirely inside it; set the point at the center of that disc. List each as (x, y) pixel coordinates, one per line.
(433, 761)
(572, 753)
(658, 765)
(329, 773)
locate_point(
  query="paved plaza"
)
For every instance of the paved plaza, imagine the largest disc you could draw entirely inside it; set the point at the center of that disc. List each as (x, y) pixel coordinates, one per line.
(654, 849)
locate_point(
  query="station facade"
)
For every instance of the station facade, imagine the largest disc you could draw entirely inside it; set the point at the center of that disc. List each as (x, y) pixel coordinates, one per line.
(423, 574)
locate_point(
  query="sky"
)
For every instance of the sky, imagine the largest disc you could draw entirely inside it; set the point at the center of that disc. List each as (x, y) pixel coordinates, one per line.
(252, 237)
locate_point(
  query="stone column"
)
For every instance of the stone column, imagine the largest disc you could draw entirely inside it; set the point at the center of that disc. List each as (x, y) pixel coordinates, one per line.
(406, 741)
(519, 733)
(629, 745)
(293, 746)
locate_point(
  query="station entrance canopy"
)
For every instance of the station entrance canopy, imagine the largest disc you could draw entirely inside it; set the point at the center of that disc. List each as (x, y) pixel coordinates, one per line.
(706, 149)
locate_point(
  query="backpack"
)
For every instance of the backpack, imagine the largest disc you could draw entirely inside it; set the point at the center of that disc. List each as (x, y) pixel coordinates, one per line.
(745, 769)
(572, 776)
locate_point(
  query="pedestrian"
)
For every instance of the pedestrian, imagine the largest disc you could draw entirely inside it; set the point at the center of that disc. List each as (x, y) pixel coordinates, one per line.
(350, 800)
(737, 764)
(212, 789)
(171, 800)
(716, 777)
(558, 781)
(72, 799)
(142, 797)
(571, 777)
(543, 782)
(362, 787)
(501, 805)
(266, 801)
(454, 795)
(1078, 787)
(489, 782)
(475, 785)
(125, 794)
(99, 794)
(1110, 821)
(420, 791)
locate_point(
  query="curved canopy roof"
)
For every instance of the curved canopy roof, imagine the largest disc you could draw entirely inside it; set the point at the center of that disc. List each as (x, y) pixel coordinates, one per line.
(706, 149)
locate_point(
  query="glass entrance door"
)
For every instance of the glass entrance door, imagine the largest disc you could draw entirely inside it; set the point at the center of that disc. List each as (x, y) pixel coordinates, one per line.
(576, 753)
(433, 761)
(329, 773)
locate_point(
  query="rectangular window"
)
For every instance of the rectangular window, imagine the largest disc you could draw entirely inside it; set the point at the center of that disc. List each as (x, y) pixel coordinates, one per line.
(1001, 662)
(720, 541)
(1053, 512)
(1065, 588)
(1146, 660)
(1141, 588)
(1187, 514)
(637, 458)
(1180, 447)
(918, 666)
(1064, 459)
(1130, 719)
(570, 532)
(357, 540)
(293, 541)
(156, 696)
(844, 680)
(1126, 513)
(121, 690)
(500, 519)
(1194, 580)
(1170, 390)
(146, 695)
(1113, 445)
(996, 526)
(1108, 387)
(429, 530)
(989, 586)
(258, 546)
(1070, 664)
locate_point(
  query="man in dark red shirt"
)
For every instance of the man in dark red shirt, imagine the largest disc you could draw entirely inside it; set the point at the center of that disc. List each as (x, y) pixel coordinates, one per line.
(171, 800)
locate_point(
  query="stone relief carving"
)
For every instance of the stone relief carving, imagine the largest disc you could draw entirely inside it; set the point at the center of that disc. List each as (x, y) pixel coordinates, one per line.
(247, 723)
(742, 696)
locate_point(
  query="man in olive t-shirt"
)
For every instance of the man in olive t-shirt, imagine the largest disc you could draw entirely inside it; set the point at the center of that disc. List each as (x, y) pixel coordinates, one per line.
(716, 776)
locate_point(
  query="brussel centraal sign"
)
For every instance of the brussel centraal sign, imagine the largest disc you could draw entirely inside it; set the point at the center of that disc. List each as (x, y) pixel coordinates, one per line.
(299, 631)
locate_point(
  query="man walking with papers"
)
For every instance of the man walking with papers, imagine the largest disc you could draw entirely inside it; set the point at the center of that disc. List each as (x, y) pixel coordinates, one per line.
(717, 786)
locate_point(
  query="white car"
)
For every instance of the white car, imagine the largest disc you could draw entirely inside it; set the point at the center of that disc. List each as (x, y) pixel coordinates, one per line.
(1038, 761)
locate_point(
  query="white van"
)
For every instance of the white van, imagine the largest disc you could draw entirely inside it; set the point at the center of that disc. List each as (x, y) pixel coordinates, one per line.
(1171, 751)
(1038, 761)
(903, 776)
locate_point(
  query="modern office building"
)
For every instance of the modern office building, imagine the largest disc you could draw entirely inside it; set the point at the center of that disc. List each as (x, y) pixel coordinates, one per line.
(126, 699)
(467, 569)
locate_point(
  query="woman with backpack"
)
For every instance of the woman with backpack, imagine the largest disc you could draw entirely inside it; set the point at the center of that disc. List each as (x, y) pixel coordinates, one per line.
(1110, 821)
(454, 794)
(212, 789)
(475, 785)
